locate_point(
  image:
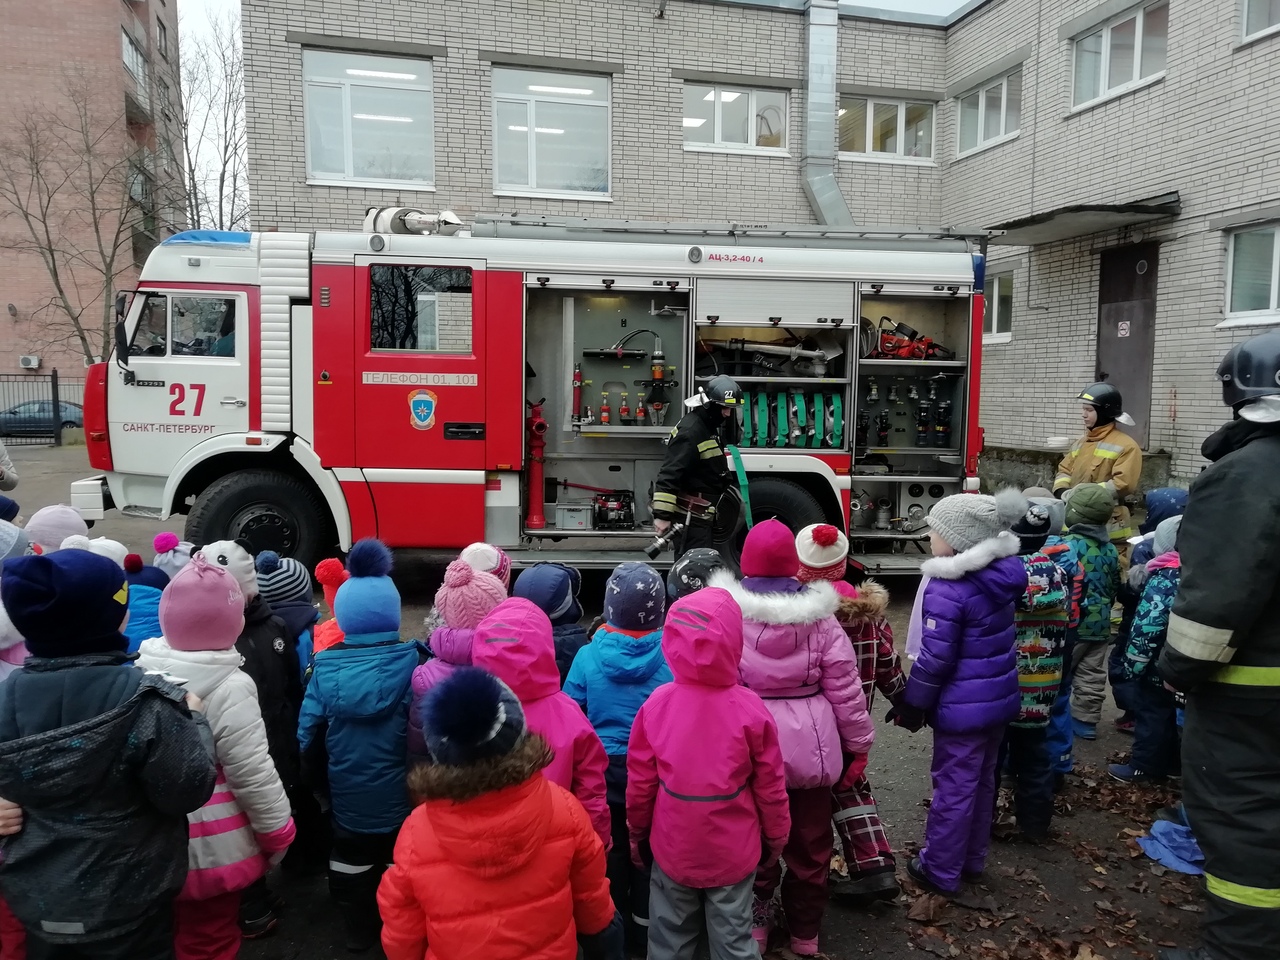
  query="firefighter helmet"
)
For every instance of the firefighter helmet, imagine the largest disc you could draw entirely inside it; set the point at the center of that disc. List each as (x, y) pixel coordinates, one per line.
(692, 571)
(721, 390)
(1104, 398)
(1251, 370)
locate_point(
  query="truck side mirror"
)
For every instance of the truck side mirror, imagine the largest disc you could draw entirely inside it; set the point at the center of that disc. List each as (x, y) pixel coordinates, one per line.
(122, 304)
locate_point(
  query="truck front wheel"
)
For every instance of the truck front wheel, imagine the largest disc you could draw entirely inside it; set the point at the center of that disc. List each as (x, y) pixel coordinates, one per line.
(776, 499)
(269, 509)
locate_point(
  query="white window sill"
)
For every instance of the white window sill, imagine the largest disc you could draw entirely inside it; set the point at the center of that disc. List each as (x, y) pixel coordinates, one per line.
(889, 159)
(1253, 38)
(984, 147)
(1116, 93)
(736, 151)
(996, 338)
(417, 186)
(553, 195)
(1263, 318)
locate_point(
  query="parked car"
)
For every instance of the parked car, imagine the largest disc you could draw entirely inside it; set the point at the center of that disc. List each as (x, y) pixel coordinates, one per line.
(35, 418)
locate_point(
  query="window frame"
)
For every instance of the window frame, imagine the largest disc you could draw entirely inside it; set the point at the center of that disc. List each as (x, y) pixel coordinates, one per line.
(241, 327)
(1006, 135)
(1257, 34)
(517, 190)
(1267, 316)
(1137, 13)
(162, 38)
(127, 45)
(875, 156)
(718, 146)
(344, 84)
(992, 301)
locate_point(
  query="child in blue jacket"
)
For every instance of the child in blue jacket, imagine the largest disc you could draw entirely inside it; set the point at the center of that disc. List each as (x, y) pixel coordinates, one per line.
(358, 700)
(1088, 511)
(611, 678)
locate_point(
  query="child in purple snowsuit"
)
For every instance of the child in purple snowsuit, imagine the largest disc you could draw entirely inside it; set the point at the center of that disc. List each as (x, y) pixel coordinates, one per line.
(965, 681)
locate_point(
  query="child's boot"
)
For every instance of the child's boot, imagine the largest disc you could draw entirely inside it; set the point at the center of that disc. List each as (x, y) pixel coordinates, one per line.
(804, 948)
(761, 923)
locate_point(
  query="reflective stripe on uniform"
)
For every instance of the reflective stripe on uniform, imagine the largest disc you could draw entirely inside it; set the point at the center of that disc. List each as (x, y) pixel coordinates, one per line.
(664, 499)
(1062, 482)
(1199, 642)
(1248, 676)
(1107, 451)
(1261, 897)
(337, 866)
(709, 450)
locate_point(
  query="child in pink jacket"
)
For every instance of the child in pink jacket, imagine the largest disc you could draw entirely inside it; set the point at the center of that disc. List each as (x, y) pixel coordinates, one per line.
(514, 643)
(706, 795)
(796, 657)
(463, 600)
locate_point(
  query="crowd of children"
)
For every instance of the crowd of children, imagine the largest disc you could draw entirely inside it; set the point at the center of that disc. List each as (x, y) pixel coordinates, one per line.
(516, 780)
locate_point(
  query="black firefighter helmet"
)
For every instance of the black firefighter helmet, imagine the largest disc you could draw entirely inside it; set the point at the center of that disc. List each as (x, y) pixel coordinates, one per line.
(1251, 370)
(1104, 398)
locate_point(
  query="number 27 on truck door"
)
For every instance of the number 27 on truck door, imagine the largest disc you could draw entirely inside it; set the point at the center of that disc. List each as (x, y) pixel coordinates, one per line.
(179, 393)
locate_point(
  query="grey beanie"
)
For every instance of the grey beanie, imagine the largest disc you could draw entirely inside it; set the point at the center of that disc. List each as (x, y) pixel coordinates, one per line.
(964, 520)
(1166, 538)
(13, 542)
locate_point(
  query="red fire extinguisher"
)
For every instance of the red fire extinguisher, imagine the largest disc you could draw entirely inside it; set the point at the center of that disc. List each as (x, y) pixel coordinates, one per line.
(536, 427)
(604, 407)
(577, 391)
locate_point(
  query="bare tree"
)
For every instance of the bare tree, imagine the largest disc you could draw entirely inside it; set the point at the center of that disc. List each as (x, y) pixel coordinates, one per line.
(73, 188)
(215, 145)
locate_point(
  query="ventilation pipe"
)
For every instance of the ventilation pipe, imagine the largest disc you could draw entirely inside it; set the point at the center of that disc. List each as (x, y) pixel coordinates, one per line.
(822, 37)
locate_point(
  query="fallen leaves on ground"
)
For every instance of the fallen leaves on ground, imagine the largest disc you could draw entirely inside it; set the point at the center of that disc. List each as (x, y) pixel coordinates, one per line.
(928, 908)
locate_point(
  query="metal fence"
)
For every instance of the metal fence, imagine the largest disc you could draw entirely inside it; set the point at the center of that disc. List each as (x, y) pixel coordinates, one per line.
(35, 409)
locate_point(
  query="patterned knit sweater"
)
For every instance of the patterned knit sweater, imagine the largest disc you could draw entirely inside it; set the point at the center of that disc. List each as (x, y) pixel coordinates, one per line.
(1041, 624)
(1101, 565)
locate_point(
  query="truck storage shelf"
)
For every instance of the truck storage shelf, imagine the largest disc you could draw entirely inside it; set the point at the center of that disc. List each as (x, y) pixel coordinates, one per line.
(800, 380)
(876, 364)
(866, 533)
(920, 451)
(905, 477)
(619, 430)
(887, 564)
(552, 531)
(825, 450)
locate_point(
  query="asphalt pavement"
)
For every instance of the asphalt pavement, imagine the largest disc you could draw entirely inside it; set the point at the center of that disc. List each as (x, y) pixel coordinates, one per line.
(1087, 895)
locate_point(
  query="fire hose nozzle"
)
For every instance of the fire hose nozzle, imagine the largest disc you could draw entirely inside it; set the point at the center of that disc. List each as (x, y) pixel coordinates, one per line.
(663, 541)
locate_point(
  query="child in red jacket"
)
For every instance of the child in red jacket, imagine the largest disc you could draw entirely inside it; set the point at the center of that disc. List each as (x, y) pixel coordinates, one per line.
(496, 860)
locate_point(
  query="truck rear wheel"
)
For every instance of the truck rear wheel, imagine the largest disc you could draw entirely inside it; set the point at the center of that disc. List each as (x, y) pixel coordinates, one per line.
(269, 509)
(775, 499)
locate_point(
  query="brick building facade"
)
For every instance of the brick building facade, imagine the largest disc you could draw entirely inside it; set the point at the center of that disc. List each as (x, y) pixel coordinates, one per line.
(119, 60)
(1104, 136)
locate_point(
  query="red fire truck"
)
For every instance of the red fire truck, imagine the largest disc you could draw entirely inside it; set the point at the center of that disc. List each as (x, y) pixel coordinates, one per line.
(433, 383)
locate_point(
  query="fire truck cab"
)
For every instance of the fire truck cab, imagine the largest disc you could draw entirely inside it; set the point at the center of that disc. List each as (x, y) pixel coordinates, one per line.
(434, 384)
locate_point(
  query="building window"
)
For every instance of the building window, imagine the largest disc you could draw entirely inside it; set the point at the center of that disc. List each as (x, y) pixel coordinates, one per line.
(1253, 273)
(1121, 54)
(991, 113)
(368, 119)
(997, 324)
(162, 39)
(886, 128)
(163, 95)
(734, 118)
(1261, 16)
(550, 133)
(420, 309)
(134, 59)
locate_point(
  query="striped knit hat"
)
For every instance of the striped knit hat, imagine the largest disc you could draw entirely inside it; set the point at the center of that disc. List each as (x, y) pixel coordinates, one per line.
(282, 579)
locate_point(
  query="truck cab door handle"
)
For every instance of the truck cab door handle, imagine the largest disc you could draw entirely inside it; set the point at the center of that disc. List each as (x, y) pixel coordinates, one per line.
(232, 402)
(464, 431)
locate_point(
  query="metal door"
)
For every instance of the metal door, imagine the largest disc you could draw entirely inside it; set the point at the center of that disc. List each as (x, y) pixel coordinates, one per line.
(1126, 328)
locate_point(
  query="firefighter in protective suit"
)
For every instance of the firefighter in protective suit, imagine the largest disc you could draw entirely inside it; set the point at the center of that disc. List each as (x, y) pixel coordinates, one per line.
(695, 462)
(1223, 651)
(1104, 455)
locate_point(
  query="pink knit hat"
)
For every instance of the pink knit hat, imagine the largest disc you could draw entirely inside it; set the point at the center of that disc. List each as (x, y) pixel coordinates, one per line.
(823, 551)
(202, 608)
(770, 551)
(467, 595)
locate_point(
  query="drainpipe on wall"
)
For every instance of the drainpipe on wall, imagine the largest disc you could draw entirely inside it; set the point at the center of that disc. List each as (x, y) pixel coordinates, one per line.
(818, 164)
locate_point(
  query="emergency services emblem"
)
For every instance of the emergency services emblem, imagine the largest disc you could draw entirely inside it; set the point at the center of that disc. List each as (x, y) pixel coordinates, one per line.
(422, 409)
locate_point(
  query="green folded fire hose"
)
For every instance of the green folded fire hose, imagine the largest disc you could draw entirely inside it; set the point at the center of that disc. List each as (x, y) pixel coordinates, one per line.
(742, 484)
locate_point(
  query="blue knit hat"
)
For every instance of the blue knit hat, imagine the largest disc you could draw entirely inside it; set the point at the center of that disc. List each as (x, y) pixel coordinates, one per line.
(471, 716)
(66, 603)
(368, 602)
(635, 597)
(552, 587)
(8, 509)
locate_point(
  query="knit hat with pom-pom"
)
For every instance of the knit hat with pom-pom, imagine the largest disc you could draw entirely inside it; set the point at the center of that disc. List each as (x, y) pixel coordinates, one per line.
(467, 595)
(282, 579)
(140, 575)
(487, 558)
(964, 520)
(172, 554)
(111, 549)
(330, 574)
(823, 551)
(471, 716)
(8, 509)
(368, 602)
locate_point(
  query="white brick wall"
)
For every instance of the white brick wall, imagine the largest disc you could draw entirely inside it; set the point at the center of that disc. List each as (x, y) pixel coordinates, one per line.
(1207, 130)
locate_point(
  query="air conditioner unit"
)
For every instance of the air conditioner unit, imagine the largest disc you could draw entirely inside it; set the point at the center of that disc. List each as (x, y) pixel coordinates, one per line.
(29, 363)
(90, 361)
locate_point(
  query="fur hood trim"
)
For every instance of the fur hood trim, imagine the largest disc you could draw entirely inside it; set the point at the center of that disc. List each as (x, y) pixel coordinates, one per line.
(977, 557)
(815, 602)
(870, 604)
(436, 781)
